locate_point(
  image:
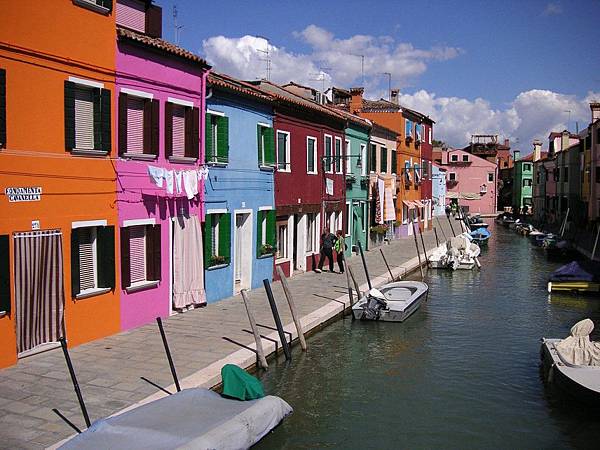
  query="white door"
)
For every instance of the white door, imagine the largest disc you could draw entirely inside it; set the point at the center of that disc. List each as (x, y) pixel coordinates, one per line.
(239, 239)
(242, 263)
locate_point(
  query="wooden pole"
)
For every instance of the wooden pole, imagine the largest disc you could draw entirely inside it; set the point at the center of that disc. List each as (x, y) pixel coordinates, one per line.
(290, 299)
(595, 243)
(356, 288)
(262, 361)
(417, 246)
(364, 261)
(280, 331)
(423, 244)
(349, 284)
(442, 229)
(437, 241)
(451, 227)
(387, 265)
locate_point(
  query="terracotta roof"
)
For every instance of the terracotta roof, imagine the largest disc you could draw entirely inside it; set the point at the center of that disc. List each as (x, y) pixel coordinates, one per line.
(555, 134)
(380, 105)
(353, 118)
(159, 44)
(226, 82)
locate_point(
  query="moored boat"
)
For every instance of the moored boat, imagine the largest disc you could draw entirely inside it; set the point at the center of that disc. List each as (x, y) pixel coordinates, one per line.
(393, 302)
(576, 277)
(459, 253)
(480, 236)
(537, 237)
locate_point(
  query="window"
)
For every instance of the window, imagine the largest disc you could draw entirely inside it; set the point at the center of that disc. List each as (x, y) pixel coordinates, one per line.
(282, 236)
(140, 256)
(430, 135)
(349, 157)
(348, 218)
(328, 154)
(425, 169)
(384, 160)
(452, 176)
(418, 132)
(5, 302)
(87, 116)
(417, 174)
(182, 129)
(393, 169)
(527, 182)
(364, 216)
(490, 177)
(283, 151)
(266, 145)
(527, 167)
(363, 160)
(454, 158)
(597, 174)
(101, 6)
(217, 138)
(92, 259)
(312, 238)
(465, 158)
(2, 108)
(138, 125)
(373, 161)
(408, 127)
(311, 155)
(131, 14)
(265, 232)
(407, 176)
(217, 238)
(338, 155)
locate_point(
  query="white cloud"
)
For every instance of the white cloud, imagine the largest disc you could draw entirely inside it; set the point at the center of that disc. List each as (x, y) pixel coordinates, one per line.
(553, 8)
(244, 57)
(531, 115)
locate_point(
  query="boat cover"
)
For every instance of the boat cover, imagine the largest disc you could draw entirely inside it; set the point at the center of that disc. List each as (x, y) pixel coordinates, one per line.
(577, 271)
(480, 233)
(193, 418)
(239, 384)
(577, 349)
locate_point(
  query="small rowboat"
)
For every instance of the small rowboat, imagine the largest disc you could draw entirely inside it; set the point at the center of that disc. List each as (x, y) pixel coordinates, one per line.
(393, 302)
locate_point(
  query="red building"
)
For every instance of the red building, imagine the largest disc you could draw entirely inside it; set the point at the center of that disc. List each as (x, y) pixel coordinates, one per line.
(310, 188)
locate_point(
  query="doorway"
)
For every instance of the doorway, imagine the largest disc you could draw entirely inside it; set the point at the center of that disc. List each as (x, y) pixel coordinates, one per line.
(242, 251)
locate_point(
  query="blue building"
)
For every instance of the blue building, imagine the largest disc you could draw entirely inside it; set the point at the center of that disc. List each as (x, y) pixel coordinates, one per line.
(438, 190)
(239, 227)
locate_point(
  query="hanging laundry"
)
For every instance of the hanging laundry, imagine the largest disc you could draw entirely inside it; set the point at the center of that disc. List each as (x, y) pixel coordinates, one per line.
(178, 176)
(381, 193)
(203, 173)
(190, 183)
(169, 178)
(157, 175)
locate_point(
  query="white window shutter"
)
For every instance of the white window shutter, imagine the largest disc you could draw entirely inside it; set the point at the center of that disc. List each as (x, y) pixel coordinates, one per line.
(135, 125)
(137, 251)
(178, 131)
(87, 272)
(131, 14)
(84, 119)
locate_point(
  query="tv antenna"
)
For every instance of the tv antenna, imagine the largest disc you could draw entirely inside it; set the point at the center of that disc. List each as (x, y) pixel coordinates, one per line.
(267, 57)
(321, 76)
(362, 67)
(569, 122)
(176, 28)
(389, 75)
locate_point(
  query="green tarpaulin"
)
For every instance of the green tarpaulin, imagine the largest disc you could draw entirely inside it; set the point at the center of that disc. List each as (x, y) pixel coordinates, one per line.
(239, 384)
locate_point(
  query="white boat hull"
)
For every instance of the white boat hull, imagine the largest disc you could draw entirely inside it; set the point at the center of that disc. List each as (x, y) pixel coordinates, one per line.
(397, 310)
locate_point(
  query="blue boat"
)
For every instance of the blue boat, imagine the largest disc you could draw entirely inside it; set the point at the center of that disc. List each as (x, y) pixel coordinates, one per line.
(480, 236)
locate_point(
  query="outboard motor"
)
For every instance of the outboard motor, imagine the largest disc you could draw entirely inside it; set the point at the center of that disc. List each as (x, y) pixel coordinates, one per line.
(375, 303)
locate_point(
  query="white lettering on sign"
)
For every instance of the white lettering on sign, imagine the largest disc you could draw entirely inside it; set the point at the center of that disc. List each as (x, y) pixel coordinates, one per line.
(23, 194)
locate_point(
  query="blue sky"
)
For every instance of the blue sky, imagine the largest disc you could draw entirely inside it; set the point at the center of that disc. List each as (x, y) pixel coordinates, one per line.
(511, 67)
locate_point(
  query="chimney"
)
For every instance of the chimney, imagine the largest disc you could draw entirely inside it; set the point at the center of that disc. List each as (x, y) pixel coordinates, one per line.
(516, 154)
(537, 150)
(394, 95)
(356, 100)
(564, 140)
(595, 107)
(507, 143)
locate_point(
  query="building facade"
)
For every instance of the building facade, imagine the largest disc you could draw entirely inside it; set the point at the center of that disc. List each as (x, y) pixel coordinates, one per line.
(438, 180)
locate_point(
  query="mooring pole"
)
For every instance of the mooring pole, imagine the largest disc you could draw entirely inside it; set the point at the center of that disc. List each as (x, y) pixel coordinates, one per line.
(423, 244)
(595, 243)
(168, 352)
(284, 342)
(86, 417)
(451, 227)
(437, 241)
(362, 256)
(386, 264)
(417, 246)
(290, 299)
(260, 352)
(356, 288)
(349, 285)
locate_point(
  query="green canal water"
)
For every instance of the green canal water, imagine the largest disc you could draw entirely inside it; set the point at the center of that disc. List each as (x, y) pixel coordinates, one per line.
(462, 372)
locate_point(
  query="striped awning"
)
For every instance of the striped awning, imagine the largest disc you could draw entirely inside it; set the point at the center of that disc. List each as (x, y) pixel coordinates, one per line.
(419, 204)
(409, 204)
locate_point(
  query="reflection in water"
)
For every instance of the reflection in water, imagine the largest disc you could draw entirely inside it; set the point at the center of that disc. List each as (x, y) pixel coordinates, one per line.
(462, 372)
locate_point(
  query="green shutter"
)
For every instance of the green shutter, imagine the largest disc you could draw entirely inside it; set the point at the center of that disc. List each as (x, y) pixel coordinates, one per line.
(225, 236)
(69, 115)
(207, 240)
(259, 133)
(207, 138)
(105, 107)
(106, 256)
(271, 223)
(4, 274)
(269, 146)
(97, 119)
(75, 278)
(222, 139)
(259, 218)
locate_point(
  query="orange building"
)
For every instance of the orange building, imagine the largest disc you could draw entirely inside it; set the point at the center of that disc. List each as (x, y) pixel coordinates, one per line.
(57, 208)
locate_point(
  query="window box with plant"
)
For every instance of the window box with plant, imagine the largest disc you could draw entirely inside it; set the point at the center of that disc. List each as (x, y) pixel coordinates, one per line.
(380, 229)
(217, 239)
(265, 236)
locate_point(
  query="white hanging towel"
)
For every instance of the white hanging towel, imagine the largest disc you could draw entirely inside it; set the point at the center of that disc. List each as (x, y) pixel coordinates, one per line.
(389, 212)
(190, 183)
(380, 191)
(178, 176)
(157, 175)
(188, 270)
(203, 173)
(169, 178)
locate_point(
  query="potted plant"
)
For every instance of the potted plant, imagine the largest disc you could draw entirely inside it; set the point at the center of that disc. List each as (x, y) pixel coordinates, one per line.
(267, 249)
(217, 260)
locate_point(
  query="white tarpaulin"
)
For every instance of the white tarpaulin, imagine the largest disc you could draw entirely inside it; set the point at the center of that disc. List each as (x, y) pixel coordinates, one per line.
(577, 349)
(381, 192)
(463, 195)
(188, 269)
(389, 212)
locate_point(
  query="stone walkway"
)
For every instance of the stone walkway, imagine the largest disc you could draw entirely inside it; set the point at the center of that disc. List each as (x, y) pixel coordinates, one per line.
(109, 369)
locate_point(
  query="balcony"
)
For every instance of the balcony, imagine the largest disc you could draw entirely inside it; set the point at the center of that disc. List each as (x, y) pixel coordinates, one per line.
(451, 183)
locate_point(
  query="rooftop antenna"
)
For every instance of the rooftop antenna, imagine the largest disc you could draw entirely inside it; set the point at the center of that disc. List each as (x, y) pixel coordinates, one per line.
(267, 57)
(389, 75)
(176, 28)
(362, 67)
(569, 122)
(321, 77)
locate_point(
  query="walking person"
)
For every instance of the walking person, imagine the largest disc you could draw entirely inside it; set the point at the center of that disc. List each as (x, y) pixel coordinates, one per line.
(327, 243)
(340, 247)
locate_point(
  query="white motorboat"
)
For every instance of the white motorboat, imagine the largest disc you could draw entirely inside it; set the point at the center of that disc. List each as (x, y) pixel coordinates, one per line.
(573, 364)
(393, 302)
(459, 253)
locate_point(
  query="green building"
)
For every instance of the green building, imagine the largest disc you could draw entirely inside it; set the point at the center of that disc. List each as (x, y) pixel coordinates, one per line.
(522, 193)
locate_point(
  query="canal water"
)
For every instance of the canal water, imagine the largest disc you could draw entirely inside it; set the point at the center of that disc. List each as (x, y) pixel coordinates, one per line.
(462, 372)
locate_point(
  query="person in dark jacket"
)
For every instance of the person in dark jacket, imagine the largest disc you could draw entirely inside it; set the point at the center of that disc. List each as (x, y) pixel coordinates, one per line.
(327, 243)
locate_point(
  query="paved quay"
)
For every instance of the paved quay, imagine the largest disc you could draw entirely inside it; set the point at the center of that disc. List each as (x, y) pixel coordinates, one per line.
(109, 369)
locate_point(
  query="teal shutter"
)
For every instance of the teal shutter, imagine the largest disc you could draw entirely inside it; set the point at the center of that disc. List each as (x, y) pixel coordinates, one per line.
(223, 139)
(105, 249)
(269, 146)
(225, 236)
(271, 222)
(4, 274)
(69, 115)
(259, 219)
(207, 239)
(207, 139)
(259, 146)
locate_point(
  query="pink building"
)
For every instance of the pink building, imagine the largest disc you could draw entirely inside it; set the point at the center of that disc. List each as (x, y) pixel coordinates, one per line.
(470, 181)
(160, 194)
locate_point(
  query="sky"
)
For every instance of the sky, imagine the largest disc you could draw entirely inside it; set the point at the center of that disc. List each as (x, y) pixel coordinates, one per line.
(520, 69)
